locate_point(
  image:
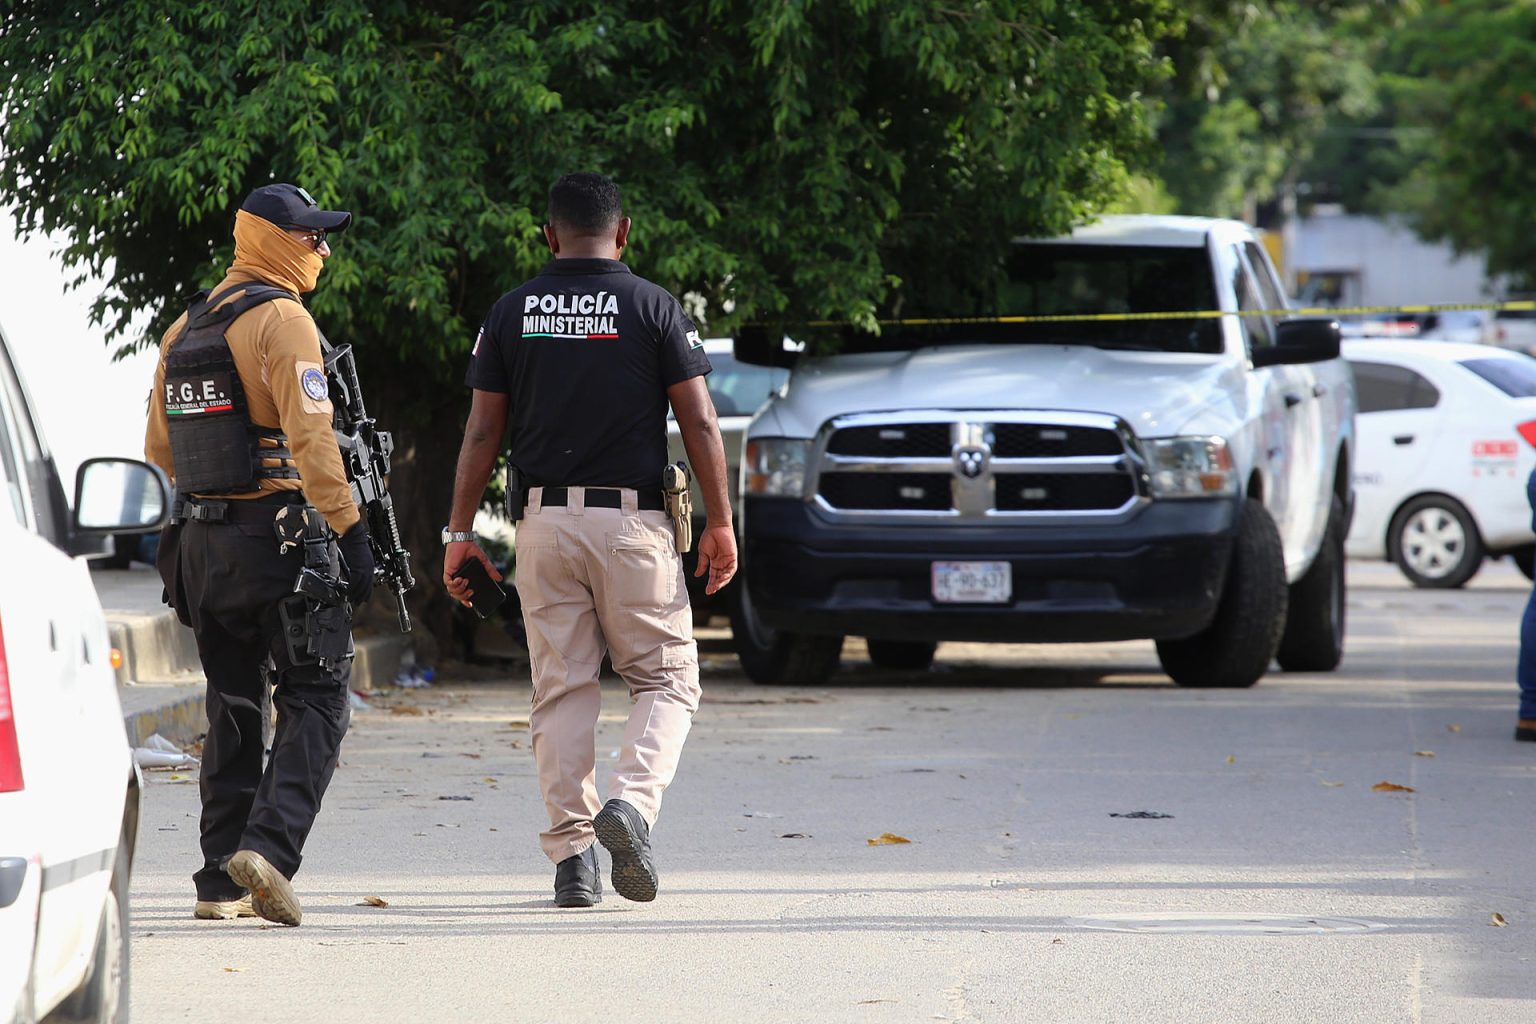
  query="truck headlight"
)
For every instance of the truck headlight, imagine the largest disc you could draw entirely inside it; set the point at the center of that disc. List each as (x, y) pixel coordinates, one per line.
(775, 467)
(1190, 467)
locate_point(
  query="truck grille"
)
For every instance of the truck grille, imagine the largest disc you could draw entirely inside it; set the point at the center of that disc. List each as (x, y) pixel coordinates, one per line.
(979, 465)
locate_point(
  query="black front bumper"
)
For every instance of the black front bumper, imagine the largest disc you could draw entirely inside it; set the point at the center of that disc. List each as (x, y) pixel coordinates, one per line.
(1158, 575)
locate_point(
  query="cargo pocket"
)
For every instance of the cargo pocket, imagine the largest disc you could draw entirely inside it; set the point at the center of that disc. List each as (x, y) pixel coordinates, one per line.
(641, 573)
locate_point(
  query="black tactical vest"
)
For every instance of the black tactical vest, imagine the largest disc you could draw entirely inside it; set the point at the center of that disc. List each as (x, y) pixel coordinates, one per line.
(215, 447)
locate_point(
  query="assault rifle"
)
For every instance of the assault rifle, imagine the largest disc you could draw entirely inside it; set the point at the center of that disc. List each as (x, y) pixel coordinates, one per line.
(365, 451)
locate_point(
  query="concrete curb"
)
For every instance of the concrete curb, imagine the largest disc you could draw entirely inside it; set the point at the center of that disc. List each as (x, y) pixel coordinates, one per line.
(161, 685)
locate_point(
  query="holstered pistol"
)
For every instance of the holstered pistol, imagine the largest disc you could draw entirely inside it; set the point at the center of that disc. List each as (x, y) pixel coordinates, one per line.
(679, 501)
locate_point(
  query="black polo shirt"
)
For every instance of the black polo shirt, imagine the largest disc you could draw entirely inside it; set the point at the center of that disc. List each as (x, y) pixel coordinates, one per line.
(586, 351)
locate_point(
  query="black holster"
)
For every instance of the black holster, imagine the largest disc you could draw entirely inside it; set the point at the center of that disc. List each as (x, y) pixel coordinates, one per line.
(317, 618)
(517, 493)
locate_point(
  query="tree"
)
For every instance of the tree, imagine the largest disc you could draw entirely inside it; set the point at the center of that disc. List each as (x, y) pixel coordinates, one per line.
(1257, 83)
(788, 160)
(1464, 80)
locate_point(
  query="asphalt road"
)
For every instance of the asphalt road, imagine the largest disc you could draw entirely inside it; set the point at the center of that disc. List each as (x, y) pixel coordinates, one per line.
(1279, 886)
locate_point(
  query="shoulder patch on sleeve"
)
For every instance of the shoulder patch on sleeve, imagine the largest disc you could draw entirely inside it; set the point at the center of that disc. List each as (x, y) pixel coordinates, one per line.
(316, 391)
(694, 341)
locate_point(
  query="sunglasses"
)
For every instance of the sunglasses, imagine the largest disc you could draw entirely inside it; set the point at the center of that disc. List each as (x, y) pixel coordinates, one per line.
(314, 236)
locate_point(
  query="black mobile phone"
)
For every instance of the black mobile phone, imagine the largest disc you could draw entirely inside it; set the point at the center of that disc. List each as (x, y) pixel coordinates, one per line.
(487, 596)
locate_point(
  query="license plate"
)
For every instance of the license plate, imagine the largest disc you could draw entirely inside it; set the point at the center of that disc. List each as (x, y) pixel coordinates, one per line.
(972, 582)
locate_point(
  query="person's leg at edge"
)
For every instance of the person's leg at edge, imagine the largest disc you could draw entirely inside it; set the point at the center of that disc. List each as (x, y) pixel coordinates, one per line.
(1525, 669)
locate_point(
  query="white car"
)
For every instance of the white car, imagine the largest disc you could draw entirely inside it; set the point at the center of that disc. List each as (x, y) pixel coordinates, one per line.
(738, 390)
(69, 792)
(1447, 438)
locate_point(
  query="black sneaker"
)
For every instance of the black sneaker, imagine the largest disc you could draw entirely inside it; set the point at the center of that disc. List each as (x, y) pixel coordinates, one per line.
(578, 881)
(1525, 730)
(625, 835)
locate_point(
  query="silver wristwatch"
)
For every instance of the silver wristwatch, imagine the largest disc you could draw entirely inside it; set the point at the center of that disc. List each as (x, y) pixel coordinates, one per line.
(457, 536)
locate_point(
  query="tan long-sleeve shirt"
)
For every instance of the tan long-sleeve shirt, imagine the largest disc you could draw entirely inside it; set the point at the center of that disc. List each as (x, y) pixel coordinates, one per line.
(273, 344)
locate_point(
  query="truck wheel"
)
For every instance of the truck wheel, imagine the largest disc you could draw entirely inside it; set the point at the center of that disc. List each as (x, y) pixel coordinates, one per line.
(901, 655)
(1525, 560)
(1435, 542)
(772, 657)
(1313, 640)
(1236, 648)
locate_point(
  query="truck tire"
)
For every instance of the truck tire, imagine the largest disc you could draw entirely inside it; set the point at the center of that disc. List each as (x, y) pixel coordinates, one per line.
(901, 655)
(772, 657)
(1313, 640)
(1236, 648)
(1435, 542)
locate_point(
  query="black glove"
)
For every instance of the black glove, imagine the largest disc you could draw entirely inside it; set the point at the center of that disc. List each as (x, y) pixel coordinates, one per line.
(357, 561)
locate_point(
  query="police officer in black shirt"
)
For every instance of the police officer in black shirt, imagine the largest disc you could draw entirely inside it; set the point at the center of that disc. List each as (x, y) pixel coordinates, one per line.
(583, 361)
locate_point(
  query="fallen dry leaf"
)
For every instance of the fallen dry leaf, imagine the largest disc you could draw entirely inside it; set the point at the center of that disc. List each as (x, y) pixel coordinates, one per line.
(374, 901)
(1231, 759)
(1453, 728)
(1391, 787)
(1423, 753)
(519, 723)
(1497, 920)
(871, 1002)
(795, 835)
(405, 709)
(887, 839)
(234, 970)
(475, 757)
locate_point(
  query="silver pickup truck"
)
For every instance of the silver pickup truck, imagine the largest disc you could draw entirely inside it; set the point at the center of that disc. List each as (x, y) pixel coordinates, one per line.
(1185, 480)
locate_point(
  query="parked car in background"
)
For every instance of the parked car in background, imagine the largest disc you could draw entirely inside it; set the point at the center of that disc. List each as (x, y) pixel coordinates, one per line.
(1515, 329)
(1184, 480)
(738, 390)
(69, 792)
(1446, 438)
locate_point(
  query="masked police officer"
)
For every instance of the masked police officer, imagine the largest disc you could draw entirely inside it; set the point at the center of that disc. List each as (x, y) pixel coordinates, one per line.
(241, 420)
(583, 360)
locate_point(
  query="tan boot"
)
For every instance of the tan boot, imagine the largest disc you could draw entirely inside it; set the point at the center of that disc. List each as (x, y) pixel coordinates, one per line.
(223, 910)
(271, 895)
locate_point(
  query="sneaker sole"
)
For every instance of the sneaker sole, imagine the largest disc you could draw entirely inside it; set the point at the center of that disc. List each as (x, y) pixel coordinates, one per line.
(223, 910)
(633, 878)
(271, 896)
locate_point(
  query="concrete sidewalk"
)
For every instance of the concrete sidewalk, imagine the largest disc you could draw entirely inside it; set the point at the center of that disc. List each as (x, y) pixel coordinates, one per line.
(160, 680)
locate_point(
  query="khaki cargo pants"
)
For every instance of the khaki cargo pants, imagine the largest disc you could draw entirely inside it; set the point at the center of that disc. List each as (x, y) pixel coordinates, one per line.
(593, 580)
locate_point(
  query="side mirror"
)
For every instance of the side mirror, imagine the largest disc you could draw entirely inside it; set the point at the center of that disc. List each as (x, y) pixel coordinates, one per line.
(763, 346)
(120, 496)
(1301, 341)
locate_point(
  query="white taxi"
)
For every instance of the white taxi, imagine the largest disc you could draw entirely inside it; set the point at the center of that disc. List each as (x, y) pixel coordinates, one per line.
(69, 792)
(1446, 439)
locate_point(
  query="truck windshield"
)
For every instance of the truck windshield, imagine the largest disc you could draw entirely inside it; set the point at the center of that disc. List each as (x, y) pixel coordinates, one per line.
(1066, 279)
(1061, 279)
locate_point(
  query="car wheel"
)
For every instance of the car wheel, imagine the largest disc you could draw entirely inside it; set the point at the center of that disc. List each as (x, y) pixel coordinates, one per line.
(1236, 648)
(1313, 640)
(901, 655)
(1525, 560)
(1435, 542)
(773, 657)
(102, 997)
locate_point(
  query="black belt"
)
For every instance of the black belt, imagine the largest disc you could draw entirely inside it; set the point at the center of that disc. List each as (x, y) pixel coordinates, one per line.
(249, 510)
(602, 497)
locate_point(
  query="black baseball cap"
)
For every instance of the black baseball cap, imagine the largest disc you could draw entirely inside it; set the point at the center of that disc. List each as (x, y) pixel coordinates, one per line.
(289, 206)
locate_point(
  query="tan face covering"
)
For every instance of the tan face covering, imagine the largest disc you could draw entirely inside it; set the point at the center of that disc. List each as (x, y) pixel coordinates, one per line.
(264, 249)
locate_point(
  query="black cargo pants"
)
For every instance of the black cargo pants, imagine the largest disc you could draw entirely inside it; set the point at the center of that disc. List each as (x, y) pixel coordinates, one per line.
(230, 580)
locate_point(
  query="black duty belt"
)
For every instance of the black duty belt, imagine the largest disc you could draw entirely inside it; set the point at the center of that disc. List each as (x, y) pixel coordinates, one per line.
(602, 497)
(250, 510)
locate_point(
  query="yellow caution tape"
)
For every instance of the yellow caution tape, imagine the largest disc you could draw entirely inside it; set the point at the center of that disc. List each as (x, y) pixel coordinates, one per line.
(1194, 314)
